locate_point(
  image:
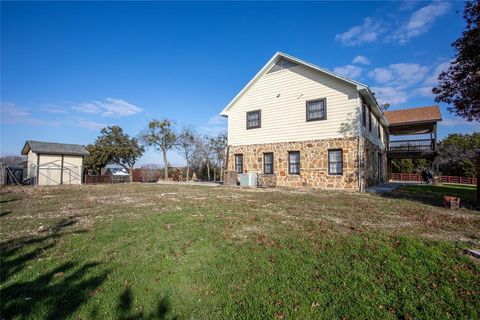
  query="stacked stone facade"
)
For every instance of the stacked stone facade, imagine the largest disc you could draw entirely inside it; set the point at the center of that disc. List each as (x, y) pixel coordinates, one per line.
(370, 164)
(313, 163)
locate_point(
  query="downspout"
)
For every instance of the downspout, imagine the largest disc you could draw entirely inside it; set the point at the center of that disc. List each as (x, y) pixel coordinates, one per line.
(359, 134)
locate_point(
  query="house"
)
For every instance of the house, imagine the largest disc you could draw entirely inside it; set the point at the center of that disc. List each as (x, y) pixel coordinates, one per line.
(296, 124)
(51, 163)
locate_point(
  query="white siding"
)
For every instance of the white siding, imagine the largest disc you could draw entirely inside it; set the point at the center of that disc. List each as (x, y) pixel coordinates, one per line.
(373, 135)
(72, 169)
(281, 96)
(31, 166)
(49, 171)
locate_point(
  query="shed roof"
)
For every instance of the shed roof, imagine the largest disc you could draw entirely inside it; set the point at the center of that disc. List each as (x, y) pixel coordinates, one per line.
(414, 115)
(54, 148)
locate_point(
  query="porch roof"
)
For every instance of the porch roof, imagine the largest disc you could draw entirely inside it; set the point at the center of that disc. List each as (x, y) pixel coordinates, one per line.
(414, 115)
(418, 120)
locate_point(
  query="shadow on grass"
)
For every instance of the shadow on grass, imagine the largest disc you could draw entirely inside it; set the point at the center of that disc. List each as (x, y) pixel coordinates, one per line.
(433, 195)
(125, 308)
(9, 200)
(13, 261)
(5, 213)
(55, 294)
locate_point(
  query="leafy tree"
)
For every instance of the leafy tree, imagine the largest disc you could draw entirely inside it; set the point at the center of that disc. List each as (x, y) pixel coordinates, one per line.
(456, 154)
(403, 166)
(160, 135)
(97, 159)
(460, 85)
(186, 146)
(117, 147)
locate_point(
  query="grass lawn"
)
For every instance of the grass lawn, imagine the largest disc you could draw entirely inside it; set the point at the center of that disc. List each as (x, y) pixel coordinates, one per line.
(144, 251)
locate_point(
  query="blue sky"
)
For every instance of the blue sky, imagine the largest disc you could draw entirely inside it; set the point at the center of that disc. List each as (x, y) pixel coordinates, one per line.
(68, 69)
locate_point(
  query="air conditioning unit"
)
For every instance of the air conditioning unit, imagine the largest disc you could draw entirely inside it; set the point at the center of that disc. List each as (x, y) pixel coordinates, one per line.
(248, 180)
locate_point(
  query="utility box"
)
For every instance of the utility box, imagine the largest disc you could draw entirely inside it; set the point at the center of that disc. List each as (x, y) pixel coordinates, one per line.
(230, 178)
(248, 180)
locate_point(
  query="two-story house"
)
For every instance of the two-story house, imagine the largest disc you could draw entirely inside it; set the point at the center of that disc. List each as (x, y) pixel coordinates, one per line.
(296, 124)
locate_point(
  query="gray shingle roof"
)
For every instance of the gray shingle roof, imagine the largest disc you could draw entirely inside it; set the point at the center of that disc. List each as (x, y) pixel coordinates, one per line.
(54, 148)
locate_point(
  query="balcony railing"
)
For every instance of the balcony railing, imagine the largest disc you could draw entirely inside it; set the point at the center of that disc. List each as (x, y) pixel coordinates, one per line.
(420, 145)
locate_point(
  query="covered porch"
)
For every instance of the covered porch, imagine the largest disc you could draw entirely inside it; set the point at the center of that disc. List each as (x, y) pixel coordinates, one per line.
(413, 133)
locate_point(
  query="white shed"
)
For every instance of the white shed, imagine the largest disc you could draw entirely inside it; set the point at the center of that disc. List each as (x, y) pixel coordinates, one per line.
(51, 163)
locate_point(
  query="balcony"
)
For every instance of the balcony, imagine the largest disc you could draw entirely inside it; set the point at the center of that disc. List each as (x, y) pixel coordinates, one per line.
(404, 149)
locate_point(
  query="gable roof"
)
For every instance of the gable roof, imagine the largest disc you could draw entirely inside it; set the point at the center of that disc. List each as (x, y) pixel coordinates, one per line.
(414, 115)
(273, 60)
(54, 148)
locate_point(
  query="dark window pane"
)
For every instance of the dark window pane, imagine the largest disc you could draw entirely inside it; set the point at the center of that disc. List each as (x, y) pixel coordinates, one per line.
(253, 119)
(316, 110)
(335, 162)
(294, 163)
(268, 163)
(239, 163)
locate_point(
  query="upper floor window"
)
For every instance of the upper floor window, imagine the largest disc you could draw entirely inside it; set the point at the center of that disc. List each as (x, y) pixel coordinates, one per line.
(317, 110)
(239, 163)
(294, 162)
(370, 120)
(335, 162)
(379, 130)
(253, 119)
(364, 114)
(268, 163)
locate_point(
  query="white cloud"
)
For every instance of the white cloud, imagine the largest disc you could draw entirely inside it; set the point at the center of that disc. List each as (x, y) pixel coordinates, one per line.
(217, 120)
(90, 125)
(424, 91)
(372, 29)
(367, 32)
(381, 75)
(408, 74)
(361, 60)
(458, 122)
(349, 71)
(111, 107)
(215, 125)
(14, 114)
(398, 82)
(401, 75)
(420, 21)
(432, 80)
(406, 79)
(390, 95)
(51, 108)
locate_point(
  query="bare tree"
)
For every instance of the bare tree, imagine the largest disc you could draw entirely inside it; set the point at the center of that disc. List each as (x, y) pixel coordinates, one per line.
(217, 146)
(186, 146)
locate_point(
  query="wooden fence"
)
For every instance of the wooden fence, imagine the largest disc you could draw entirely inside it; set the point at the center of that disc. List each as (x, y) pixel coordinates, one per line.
(443, 179)
(98, 179)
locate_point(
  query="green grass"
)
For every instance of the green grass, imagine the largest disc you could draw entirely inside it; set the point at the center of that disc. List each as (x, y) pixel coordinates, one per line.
(434, 194)
(167, 251)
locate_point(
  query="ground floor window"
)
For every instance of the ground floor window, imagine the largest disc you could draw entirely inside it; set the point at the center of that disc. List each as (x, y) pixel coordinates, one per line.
(239, 163)
(335, 162)
(294, 162)
(268, 163)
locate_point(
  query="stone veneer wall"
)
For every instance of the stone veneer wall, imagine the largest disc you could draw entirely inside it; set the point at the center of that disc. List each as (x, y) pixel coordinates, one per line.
(313, 163)
(370, 164)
